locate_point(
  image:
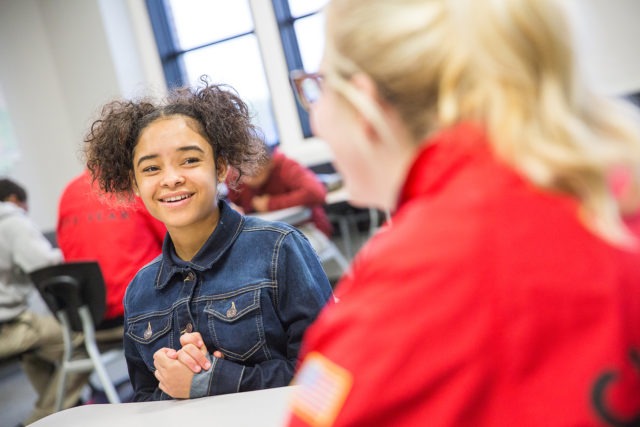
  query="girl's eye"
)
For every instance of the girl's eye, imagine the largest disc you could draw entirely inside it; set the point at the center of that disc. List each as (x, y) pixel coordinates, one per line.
(150, 169)
(191, 160)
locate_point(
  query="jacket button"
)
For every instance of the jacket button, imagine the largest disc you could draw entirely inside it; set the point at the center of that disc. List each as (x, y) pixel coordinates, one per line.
(232, 311)
(189, 277)
(189, 328)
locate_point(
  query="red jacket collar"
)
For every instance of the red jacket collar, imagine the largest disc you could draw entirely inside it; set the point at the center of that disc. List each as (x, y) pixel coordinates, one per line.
(441, 154)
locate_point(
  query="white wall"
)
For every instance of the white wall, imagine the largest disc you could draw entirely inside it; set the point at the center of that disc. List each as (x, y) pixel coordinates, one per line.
(608, 35)
(57, 68)
(61, 59)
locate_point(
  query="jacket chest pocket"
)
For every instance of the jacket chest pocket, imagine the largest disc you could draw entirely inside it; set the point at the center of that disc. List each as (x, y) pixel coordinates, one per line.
(236, 324)
(151, 333)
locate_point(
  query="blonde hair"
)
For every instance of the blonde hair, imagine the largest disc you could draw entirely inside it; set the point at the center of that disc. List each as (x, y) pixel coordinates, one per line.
(508, 64)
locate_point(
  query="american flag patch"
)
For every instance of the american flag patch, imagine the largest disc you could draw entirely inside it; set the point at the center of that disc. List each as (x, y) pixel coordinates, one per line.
(323, 388)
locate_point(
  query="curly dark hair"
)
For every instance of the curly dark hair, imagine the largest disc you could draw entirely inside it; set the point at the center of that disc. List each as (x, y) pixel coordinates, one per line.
(222, 118)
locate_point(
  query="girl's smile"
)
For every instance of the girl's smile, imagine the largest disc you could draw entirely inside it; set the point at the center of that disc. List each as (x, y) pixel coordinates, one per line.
(176, 177)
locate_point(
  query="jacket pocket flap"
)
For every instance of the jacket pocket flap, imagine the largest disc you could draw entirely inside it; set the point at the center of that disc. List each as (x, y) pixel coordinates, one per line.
(147, 329)
(235, 307)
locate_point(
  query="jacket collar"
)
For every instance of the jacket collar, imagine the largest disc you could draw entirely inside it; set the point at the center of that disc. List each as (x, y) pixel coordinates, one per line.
(223, 236)
(441, 155)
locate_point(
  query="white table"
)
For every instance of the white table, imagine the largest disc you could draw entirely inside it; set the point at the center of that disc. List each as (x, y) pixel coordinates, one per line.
(294, 215)
(264, 408)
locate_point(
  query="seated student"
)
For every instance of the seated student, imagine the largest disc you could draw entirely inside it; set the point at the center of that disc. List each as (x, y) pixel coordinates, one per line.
(279, 183)
(121, 237)
(233, 294)
(36, 338)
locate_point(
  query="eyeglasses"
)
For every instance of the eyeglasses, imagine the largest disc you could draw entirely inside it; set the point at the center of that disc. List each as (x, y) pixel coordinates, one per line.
(308, 87)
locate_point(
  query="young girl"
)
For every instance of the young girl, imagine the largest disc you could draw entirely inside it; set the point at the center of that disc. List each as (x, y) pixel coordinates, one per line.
(505, 290)
(237, 290)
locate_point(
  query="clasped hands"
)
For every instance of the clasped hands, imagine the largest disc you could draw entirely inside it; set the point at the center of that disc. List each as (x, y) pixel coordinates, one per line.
(175, 368)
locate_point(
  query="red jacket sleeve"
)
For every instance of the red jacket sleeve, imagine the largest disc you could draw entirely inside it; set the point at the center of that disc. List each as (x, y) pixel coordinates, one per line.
(303, 188)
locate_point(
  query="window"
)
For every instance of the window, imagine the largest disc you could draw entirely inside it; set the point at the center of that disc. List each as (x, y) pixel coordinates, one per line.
(308, 26)
(301, 31)
(230, 41)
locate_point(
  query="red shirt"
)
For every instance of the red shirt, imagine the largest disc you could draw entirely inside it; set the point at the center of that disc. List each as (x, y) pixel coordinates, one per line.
(289, 184)
(486, 303)
(93, 227)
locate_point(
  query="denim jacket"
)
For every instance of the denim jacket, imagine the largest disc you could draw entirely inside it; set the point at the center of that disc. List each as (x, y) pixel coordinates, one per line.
(251, 292)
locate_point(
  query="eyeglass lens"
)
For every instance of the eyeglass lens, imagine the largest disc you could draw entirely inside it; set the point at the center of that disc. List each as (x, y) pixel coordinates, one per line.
(310, 88)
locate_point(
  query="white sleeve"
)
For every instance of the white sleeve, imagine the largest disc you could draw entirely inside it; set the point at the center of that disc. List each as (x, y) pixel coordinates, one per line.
(31, 250)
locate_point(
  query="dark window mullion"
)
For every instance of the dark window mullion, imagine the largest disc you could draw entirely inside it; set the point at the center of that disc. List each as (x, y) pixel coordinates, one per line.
(287, 34)
(167, 42)
(291, 51)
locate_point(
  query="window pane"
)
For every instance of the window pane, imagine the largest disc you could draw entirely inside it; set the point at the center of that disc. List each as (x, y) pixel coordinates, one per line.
(237, 63)
(303, 7)
(198, 22)
(310, 34)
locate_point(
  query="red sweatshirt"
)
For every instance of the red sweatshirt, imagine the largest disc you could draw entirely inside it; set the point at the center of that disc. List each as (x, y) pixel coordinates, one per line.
(123, 239)
(289, 184)
(486, 303)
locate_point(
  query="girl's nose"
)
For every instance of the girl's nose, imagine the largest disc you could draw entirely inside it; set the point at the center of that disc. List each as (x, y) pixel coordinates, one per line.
(172, 178)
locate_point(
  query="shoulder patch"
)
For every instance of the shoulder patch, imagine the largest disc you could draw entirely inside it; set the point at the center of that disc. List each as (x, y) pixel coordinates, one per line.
(323, 388)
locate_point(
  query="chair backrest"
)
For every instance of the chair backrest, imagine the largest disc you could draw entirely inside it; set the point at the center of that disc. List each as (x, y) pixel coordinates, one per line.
(70, 285)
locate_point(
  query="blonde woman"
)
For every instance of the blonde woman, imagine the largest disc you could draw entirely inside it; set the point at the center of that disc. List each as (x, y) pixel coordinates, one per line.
(505, 289)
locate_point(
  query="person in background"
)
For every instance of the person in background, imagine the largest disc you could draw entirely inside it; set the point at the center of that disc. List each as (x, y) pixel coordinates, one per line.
(35, 337)
(281, 182)
(201, 320)
(506, 288)
(122, 238)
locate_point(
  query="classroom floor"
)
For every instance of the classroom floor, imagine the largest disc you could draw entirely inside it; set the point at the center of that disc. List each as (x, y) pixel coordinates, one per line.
(17, 397)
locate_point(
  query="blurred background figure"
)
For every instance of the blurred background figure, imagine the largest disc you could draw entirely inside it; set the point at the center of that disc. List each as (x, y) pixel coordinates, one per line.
(507, 254)
(281, 182)
(121, 236)
(34, 336)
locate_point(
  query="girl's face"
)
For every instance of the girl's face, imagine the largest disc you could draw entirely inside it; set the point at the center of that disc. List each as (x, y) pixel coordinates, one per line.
(176, 175)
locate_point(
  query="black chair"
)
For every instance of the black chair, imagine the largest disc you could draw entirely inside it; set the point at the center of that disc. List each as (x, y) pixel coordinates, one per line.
(75, 292)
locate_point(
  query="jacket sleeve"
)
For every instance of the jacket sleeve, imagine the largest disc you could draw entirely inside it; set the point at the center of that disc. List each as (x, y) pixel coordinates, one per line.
(303, 289)
(304, 188)
(30, 249)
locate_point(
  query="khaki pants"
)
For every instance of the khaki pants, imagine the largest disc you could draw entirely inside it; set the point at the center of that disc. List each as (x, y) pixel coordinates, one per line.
(38, 339)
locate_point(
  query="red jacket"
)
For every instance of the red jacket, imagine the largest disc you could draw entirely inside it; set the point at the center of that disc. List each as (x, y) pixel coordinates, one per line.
(289, 184)
(486, 303)
(92, 227)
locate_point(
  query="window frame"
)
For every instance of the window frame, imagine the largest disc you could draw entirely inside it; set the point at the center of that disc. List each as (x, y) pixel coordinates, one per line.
(286, 24)
(277, 42)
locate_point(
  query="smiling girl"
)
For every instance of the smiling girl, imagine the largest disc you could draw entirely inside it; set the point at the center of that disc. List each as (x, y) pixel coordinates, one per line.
(224, 308)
